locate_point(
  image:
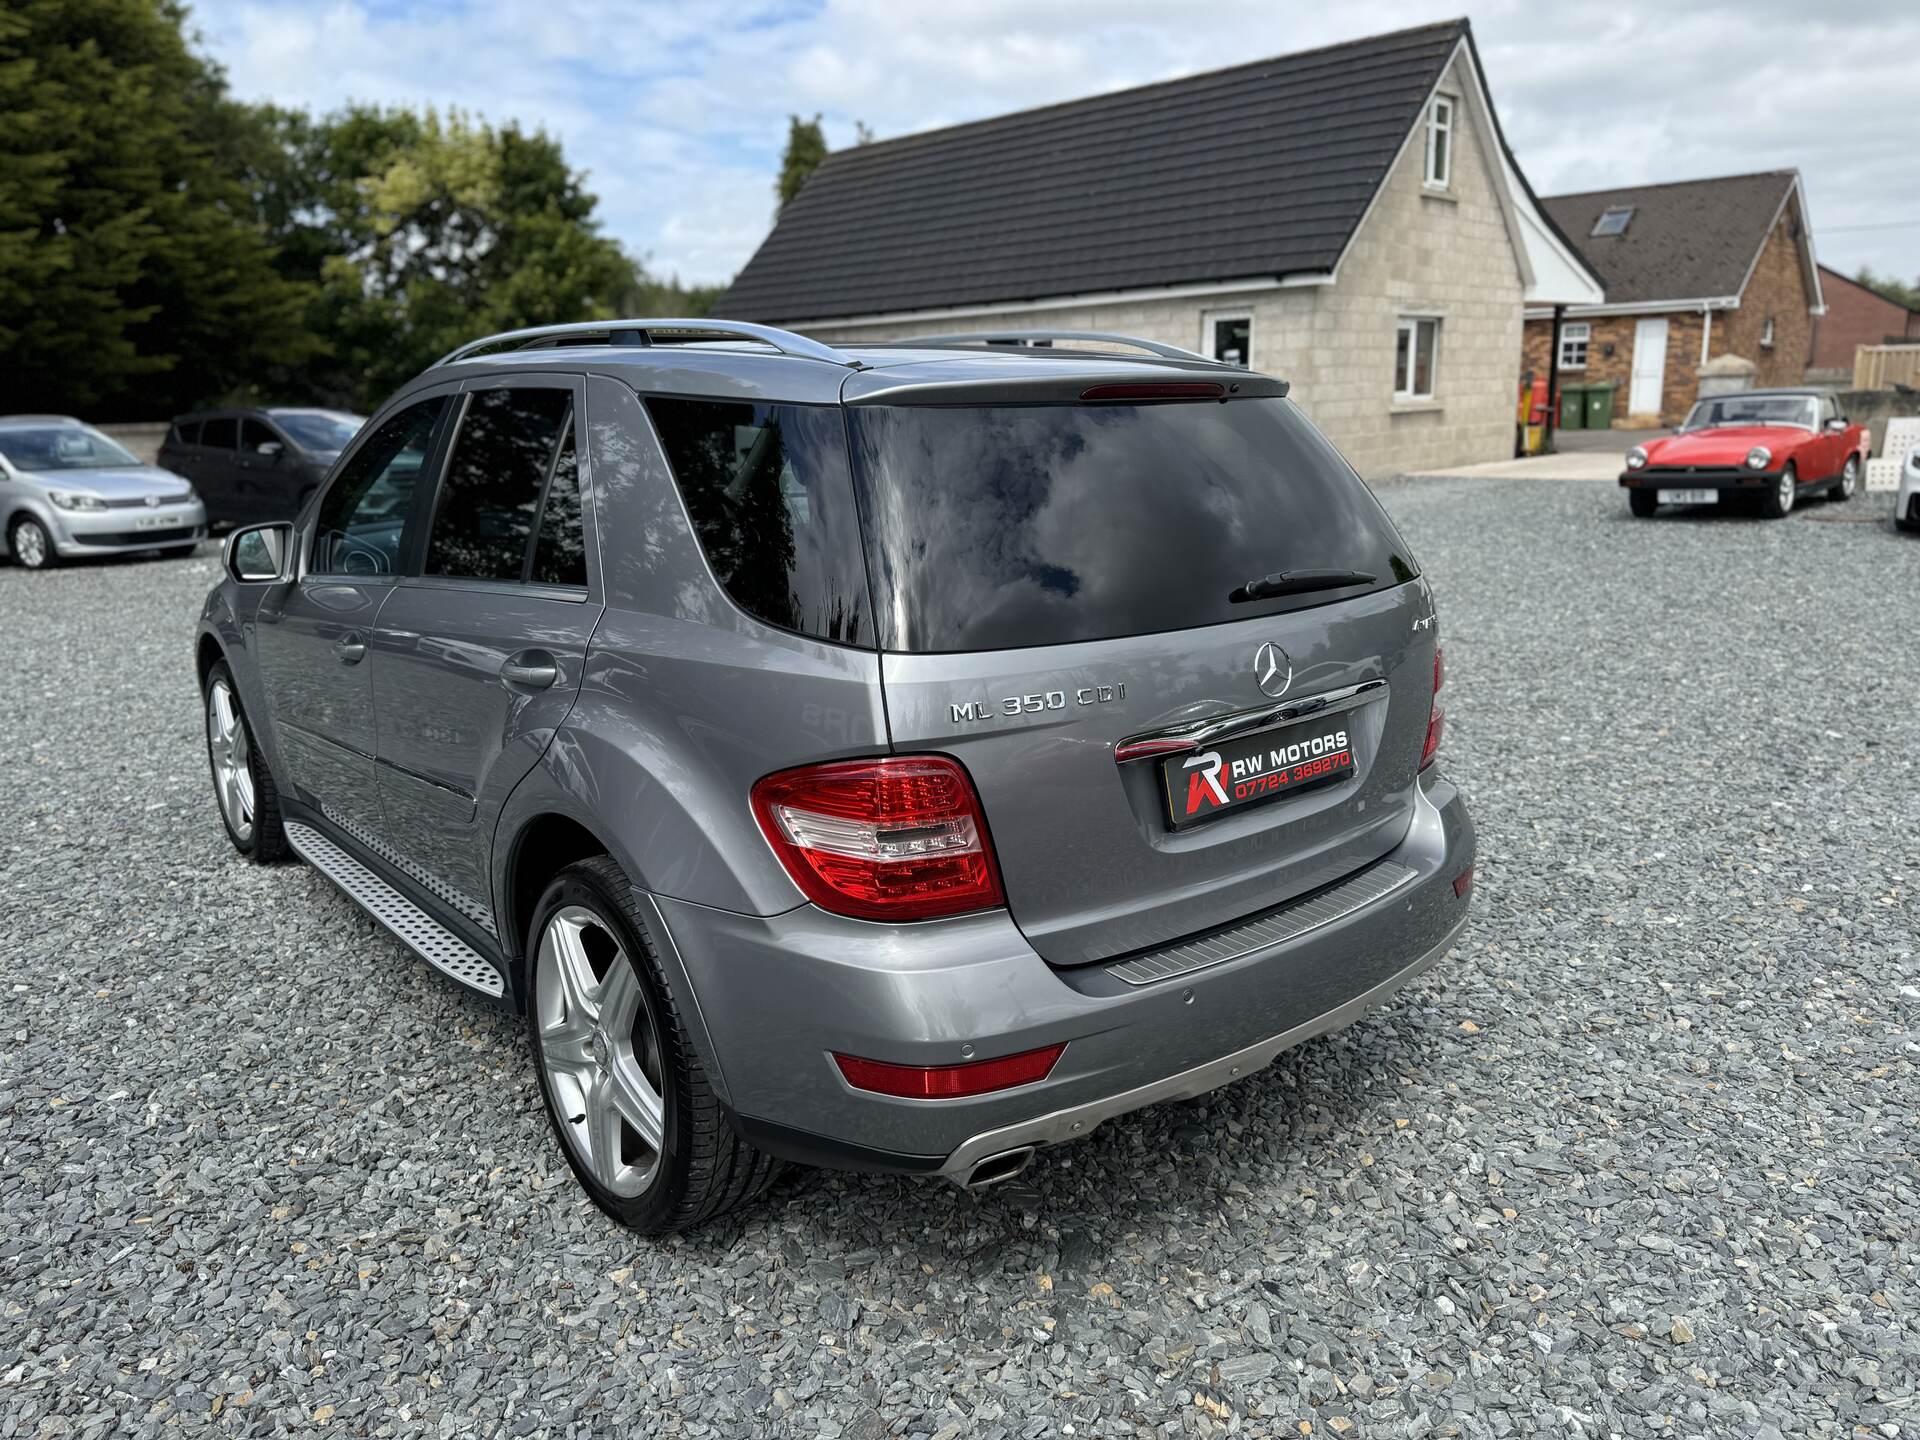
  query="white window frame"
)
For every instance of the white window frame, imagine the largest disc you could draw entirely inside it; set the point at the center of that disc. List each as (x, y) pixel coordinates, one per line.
(1439, 176)
(1568, 336)
(1409, 325)
(1210, 318)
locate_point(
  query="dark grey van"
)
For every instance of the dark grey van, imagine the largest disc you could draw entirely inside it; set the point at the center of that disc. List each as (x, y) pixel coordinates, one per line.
(889, 757)
(255, 465)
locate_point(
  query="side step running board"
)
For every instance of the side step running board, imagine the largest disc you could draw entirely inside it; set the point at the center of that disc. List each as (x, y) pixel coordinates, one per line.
(422, 934)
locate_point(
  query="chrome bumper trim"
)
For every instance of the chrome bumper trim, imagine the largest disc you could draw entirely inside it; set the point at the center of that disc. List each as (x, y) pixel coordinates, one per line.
(1198, 734)
(1079, 1121)
(1290, 922)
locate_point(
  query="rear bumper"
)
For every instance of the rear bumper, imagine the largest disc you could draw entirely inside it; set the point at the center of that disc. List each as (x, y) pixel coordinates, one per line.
(778, 995)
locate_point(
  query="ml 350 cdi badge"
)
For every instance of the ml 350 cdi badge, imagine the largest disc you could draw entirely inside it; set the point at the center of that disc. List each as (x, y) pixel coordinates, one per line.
(893, 758)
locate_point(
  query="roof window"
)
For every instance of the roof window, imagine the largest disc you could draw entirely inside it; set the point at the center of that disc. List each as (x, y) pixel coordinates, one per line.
(1613, 220)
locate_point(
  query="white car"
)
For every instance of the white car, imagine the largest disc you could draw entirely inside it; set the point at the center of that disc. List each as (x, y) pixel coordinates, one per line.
(1906, 505)
(67, 491)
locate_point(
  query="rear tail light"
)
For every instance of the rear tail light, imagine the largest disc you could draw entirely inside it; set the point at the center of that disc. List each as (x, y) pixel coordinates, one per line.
(1436, 721)
(895, 838)
(948, 1082)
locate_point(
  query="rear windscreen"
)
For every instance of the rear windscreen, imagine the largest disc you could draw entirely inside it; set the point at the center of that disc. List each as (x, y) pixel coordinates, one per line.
(992, 528)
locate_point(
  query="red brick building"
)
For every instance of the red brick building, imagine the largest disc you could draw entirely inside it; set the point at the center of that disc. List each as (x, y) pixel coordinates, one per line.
(1856, 316)
(1692, 270)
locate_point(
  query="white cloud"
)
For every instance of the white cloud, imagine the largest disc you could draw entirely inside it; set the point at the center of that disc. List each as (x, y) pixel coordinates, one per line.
(678, 111)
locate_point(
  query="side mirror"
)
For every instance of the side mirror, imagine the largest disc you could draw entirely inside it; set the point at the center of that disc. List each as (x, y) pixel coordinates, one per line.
(270, 448)
(1836, 427)
(259, 553)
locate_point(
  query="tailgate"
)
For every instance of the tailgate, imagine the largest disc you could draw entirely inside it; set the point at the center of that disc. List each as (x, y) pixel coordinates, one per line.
(1092, 864)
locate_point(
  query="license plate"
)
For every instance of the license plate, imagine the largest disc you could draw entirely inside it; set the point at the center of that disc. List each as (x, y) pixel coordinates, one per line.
(1254, 768)
(155, 522)
(1689, 497)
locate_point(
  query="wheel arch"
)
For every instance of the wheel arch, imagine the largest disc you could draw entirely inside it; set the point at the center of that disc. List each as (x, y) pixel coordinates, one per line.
(543, 845)
(540, 833)
(207, 653)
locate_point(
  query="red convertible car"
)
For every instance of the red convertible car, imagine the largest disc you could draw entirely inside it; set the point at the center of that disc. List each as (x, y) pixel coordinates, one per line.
(1773, 446)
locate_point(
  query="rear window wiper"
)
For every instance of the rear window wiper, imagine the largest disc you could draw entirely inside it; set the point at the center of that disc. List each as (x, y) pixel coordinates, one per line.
(1297, 582)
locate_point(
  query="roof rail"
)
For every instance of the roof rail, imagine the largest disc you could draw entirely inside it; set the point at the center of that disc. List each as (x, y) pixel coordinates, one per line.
(1031, 337)
(640, 333)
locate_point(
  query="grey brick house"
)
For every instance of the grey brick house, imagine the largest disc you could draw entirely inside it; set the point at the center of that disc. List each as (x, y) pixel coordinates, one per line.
(1348, 218)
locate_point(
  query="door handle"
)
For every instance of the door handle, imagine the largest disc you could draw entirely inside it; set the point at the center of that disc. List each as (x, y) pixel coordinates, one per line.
(530, 670)
(350, 648)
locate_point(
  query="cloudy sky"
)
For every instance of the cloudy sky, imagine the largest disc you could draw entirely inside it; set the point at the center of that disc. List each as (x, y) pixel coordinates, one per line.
(677, 111)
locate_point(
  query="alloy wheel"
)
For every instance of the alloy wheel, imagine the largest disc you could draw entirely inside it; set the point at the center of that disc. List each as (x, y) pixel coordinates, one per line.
(30, 545)
(1786, 488)
(600, 1050)
(232, 759)
(1850, 477)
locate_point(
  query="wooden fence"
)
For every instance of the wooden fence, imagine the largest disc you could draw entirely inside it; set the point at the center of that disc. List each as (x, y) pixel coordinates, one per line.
(1875, 367)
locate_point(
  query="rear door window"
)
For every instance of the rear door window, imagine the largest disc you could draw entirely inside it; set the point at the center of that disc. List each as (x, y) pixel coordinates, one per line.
(994, 528)
(512, 446)
(768, 492)
(220, 433)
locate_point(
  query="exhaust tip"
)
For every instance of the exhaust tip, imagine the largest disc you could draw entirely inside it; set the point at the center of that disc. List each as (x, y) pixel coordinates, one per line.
(997, 1169)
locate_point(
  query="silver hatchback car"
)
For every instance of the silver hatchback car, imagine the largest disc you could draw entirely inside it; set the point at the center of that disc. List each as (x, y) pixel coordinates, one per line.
(893, 757)
(68, 491)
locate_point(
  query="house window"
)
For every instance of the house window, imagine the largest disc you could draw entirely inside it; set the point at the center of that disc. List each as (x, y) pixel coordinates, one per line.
(1613, 220)
(1574, 338)
(1440, 142)
(1416, 358)
(1229, 339)
(1766, 334)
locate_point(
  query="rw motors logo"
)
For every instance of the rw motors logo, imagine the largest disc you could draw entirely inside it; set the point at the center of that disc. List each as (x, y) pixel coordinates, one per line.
(1204, 790)
(1214, 782)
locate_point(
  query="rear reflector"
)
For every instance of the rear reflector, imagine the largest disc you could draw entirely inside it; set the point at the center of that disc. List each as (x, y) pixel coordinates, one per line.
(1463, 883)
(893, 838)
(948, 1082)
(1165, 390)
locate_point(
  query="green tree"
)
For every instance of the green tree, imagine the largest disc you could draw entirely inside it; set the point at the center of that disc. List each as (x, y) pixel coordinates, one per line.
(1891, 289)
(420, 232)
(806, 148)
(134, 277)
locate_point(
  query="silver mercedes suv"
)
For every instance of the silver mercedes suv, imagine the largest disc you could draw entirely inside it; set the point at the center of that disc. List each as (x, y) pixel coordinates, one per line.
(897, 757)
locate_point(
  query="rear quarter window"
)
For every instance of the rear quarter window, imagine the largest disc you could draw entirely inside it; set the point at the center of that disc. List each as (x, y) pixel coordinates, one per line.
(768, 491)
(995, 528)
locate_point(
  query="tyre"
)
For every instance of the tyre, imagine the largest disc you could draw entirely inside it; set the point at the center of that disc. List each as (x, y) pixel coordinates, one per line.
(624, 1089)
(242, 785)
(30, 545)
(1777, 503)
(1643, 503)
(1848, 485)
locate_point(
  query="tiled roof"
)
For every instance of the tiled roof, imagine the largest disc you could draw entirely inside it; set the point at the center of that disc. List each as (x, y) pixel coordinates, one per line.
(1262, 170)
(1691, 240)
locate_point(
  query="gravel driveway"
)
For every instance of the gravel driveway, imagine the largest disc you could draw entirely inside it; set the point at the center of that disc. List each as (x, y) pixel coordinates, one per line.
(1640, 1160)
